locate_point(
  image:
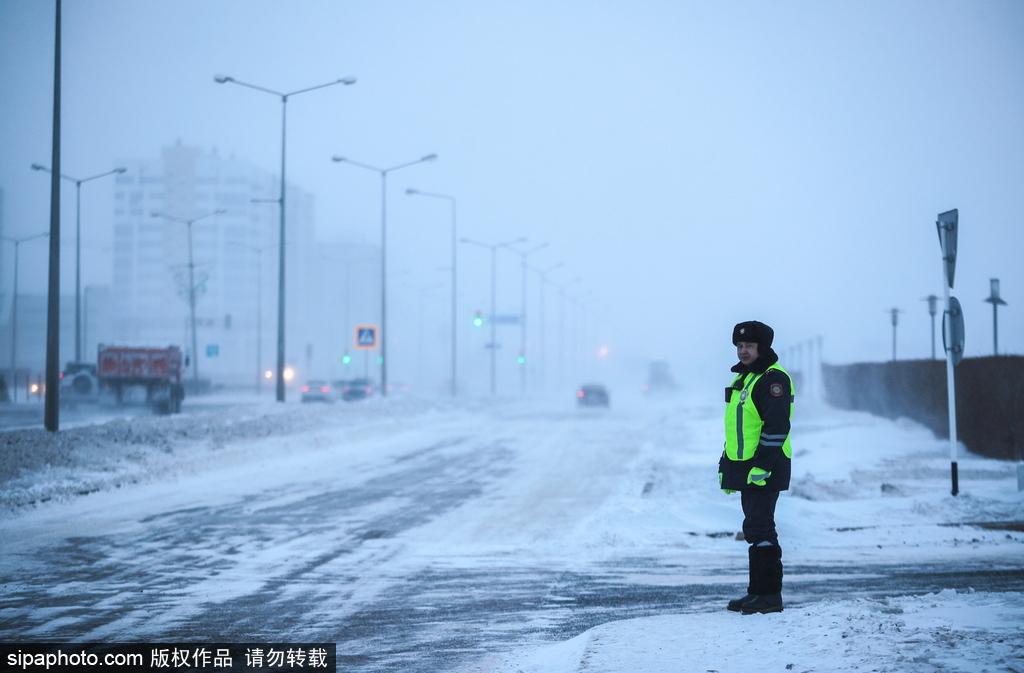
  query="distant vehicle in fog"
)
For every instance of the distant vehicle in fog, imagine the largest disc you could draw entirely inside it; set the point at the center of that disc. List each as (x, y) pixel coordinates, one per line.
(79, 382)
(316, 390)
(659, 378)
(154, 374)
(592, 395)
(357, 389)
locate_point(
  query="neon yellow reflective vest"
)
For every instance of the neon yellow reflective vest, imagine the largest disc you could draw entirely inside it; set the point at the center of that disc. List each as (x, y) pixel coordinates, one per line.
(743, 422)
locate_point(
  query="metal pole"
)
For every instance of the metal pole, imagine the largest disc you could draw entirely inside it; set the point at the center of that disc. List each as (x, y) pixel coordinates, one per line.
(347, 326)
(933, 336)
(522, 334)
(560, 379)
(454, 308)
(51, 412)
(281, 257)
(543, 339)
(192, 309)
(995, 329)
(14, 327)
(494, 310)
(950, 388)
(85, 322)
(454, 302)
(895, 319)
(78, 270)
(259, 321)
(383, 283)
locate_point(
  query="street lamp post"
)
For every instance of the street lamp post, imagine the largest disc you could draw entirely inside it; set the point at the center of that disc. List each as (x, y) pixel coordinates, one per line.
(543, 273)
(383, 172)
(14, 309)
(523, 254)
(259, 313)
(493, 345)
(191, 284)
(560, 379)
(224, 79)
(51, 407)
(78, 245)
(452, 201)
(895, 313)
(996, 302)
(932, 310)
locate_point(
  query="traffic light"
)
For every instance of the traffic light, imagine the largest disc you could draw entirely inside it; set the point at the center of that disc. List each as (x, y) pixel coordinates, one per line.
(521, 360)
(478, 319)
(346, 359)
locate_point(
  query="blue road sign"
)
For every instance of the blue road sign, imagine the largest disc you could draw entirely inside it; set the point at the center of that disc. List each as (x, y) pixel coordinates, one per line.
(365, 337)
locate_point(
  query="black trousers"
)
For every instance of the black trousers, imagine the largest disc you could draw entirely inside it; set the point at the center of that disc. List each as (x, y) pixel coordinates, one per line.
(759, 515)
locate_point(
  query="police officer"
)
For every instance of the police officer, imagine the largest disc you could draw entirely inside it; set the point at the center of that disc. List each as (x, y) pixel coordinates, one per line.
(756, 459)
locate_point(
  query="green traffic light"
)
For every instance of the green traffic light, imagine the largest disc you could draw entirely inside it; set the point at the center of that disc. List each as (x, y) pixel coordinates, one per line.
(521, 360)
(346, 359)
(478, 321)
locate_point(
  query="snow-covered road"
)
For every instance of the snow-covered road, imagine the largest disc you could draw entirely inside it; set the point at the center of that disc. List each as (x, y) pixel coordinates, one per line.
(434, 536)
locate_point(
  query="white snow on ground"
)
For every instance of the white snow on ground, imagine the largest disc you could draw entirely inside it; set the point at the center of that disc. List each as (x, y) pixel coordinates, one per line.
(945, 631)
(584, 488)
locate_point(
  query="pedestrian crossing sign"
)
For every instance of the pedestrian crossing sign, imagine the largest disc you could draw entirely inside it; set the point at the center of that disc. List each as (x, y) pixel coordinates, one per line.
(366, 337)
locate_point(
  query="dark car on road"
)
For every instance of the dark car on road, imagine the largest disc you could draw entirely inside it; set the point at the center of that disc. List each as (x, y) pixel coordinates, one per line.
(316, 390)
(357, 389)
(592, 395)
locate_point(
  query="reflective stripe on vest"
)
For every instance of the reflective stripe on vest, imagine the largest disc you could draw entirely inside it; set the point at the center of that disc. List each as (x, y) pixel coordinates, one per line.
(743, 422)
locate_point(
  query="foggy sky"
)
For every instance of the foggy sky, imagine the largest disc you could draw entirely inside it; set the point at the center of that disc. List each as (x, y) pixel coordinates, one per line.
(695, 164)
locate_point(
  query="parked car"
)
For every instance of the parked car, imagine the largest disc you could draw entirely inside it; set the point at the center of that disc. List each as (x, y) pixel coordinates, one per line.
(316, 390)
(357, 389)
(592, 395)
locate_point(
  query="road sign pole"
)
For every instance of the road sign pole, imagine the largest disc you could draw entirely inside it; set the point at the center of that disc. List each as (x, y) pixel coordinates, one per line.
(947, 224)
(950, 391)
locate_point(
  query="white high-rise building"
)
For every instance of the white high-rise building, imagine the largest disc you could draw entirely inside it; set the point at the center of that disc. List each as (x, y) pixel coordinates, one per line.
(235, 262)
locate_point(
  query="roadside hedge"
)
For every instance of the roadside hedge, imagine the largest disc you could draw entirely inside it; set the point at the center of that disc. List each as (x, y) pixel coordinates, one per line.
(989, 391)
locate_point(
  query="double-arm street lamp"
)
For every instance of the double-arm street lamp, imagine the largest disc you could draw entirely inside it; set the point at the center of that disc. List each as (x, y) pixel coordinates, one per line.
(78, 245)
(383, 172)
(523, 254)
(224, 79)
(493, 345)
(13, 384)
(452, 202)
(191, 282)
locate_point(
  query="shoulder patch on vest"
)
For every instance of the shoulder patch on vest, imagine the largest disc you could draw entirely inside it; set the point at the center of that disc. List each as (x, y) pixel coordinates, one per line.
(775, 389)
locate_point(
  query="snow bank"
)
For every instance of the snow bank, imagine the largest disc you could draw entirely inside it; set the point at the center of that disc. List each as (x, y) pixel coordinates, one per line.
(37, 466)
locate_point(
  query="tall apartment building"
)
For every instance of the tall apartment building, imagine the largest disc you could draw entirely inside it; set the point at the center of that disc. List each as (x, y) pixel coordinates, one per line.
(234, 262)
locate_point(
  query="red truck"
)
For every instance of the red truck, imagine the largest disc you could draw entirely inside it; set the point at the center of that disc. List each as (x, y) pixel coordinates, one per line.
(156, 371)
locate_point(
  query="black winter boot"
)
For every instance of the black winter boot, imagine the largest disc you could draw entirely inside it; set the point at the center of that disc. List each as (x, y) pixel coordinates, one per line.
(736, 604)
(767, 584)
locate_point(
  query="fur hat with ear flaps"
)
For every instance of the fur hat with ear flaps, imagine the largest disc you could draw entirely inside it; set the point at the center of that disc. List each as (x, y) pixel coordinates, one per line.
(753, 331)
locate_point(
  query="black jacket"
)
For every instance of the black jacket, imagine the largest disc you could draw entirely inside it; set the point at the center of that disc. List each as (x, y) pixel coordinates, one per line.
(774, 412)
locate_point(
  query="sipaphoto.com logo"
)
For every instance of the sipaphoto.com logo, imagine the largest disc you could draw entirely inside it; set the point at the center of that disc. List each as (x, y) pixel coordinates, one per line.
(59, 659)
